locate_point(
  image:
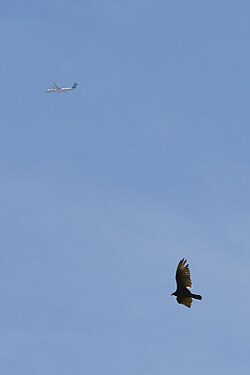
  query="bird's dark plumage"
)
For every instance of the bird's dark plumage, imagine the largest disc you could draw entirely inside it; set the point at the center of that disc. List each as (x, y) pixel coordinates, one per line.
(183, 280)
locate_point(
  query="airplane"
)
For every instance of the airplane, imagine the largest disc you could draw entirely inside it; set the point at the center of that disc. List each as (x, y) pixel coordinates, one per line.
(59, 89)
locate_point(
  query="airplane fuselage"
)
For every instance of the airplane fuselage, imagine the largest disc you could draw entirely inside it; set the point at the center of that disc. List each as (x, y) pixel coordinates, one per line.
(62, 89)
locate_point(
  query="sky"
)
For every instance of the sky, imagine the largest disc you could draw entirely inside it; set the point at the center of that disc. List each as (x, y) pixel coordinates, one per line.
(104, 189)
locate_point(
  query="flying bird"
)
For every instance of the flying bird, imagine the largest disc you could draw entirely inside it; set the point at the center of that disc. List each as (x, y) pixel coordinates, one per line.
(183, 280)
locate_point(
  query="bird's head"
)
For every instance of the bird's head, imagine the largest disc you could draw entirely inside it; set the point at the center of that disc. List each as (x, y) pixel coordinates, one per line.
(174, 294)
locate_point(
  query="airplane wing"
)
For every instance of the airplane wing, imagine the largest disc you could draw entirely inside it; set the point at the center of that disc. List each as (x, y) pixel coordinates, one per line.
(56, 86)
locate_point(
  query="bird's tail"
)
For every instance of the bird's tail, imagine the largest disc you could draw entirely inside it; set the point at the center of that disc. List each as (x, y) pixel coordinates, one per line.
(196, 296)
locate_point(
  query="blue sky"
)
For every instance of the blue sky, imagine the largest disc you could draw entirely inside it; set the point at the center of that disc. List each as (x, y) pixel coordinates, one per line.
(105, 189)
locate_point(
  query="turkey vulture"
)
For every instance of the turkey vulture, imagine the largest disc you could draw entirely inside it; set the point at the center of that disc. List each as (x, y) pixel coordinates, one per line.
(183, 280)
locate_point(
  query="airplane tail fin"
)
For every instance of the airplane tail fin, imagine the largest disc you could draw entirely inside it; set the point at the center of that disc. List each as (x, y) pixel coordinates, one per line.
(74, 86)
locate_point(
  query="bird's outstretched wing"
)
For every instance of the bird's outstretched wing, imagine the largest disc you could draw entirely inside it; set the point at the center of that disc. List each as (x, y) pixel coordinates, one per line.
(183, 277)
(187, 301)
